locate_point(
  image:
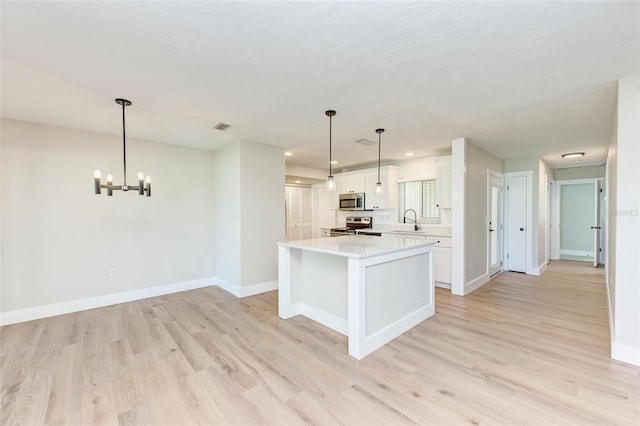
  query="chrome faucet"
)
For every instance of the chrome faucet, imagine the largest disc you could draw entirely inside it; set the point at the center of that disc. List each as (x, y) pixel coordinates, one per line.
(416, 227)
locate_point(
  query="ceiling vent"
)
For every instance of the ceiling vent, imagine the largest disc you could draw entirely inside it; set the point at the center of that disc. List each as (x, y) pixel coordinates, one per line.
(222, 126)
(365, 142)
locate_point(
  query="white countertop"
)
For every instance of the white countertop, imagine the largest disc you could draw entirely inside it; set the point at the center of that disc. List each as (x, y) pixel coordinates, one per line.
(357, 246)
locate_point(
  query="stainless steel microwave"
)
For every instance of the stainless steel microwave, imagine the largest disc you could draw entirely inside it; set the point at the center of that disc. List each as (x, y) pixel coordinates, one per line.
(351, 201)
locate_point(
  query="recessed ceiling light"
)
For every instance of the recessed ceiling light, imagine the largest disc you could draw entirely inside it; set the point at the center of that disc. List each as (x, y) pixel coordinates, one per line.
(408, 154)
(573, 155)
(298, 181)
(288, 153)
(334, 162)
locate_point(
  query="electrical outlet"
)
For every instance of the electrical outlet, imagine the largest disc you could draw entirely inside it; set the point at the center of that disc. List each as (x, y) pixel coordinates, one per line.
(113, 272)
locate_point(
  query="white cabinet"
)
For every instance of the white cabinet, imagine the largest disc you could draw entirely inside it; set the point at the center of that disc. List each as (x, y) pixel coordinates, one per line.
(353, 182)
(388, 199)
(298, 213)
(442, 261)
(441, 256)
(443, 182)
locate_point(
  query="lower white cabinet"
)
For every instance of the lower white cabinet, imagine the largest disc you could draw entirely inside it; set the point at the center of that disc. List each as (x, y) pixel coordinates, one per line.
(442, 262)
(441, 257)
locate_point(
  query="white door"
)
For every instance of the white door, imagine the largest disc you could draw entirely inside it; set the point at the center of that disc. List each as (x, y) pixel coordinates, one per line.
(516, 224)
(494, 228)
(298, 213)
(596, 225)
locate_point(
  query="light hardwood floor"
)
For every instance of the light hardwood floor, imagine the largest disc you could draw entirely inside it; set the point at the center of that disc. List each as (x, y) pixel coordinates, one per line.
(519, 350)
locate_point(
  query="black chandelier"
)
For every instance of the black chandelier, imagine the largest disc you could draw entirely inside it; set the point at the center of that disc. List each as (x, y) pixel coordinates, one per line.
(144, 185)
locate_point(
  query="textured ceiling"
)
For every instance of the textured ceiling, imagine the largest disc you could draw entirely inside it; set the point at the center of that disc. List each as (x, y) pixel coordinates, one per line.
(518, 78)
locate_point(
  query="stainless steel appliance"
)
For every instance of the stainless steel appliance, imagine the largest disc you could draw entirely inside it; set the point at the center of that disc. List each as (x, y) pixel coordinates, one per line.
(351, 201)
(352, 224)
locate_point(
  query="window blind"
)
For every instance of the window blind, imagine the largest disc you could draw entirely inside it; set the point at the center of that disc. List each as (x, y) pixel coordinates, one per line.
(420, 195)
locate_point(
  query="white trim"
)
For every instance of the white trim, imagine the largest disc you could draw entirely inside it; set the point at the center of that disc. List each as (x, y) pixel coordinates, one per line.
(581, 253)
(540, 269)
(44, 311)
(625, 353)
(612, 329)
(248, 290)
(476, 283)
(458, 211)
(499, 225)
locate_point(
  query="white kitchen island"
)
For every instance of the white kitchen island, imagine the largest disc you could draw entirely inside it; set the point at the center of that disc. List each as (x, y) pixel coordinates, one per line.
(371, 289)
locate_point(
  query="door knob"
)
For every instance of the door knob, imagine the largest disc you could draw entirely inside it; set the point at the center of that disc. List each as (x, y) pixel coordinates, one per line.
(595, 227)
(522, 229)
(491, 230)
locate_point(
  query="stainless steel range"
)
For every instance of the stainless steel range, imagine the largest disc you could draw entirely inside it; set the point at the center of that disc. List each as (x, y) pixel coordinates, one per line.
(353, 223)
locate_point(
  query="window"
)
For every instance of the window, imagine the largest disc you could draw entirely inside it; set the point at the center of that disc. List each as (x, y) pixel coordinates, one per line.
(419, 195)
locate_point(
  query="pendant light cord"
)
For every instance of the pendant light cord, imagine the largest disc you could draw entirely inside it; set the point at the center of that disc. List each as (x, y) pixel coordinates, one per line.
(379, 139)
(330, 169)
(124, 146)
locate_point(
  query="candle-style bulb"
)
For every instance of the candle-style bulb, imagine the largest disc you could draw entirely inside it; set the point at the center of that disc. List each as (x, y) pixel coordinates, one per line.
(109, 179)
(96, 174)
(148, 179)
(140, 176)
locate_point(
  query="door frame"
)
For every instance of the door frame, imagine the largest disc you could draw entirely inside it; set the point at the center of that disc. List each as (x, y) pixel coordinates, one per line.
(529, 226)
(556, 214)
(499, 225)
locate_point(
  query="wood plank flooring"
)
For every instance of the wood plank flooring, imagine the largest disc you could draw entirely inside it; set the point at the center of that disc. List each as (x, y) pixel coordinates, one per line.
(519, 350)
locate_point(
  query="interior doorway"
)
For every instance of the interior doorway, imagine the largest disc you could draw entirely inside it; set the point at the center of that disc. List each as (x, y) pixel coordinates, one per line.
(495, 184)
(580, 220)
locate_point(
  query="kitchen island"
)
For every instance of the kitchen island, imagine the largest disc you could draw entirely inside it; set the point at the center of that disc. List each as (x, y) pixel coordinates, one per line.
(371, 289)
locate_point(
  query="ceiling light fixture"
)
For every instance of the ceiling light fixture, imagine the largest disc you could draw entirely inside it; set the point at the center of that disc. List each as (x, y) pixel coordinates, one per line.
(573, 155)
(379, 184)
(288, 153)
(333, 162)
(408, 154)
(110, 187)
(331, 185)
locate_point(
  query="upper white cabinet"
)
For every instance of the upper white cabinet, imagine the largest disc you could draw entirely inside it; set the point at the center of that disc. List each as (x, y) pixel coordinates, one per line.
(443, 182)
(388, 199)
(352, 182)
(365, 181)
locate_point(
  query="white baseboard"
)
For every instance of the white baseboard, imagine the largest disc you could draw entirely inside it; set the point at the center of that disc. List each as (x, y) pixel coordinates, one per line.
(576, 253)
(44, 311)
(443, 285)
(476, 283)
(244, 291)
(539, 270)
(625, 353)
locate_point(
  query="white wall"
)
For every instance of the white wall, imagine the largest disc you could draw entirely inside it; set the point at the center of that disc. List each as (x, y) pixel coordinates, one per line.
(249, 193)
(226, 184)
(262, 205)
(623, 245)
(478, 162)
(60, 240)
(583, 172)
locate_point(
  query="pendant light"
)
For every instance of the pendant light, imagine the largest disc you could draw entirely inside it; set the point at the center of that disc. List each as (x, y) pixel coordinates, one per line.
(379, 184)
(144, 185)
(331, 184)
